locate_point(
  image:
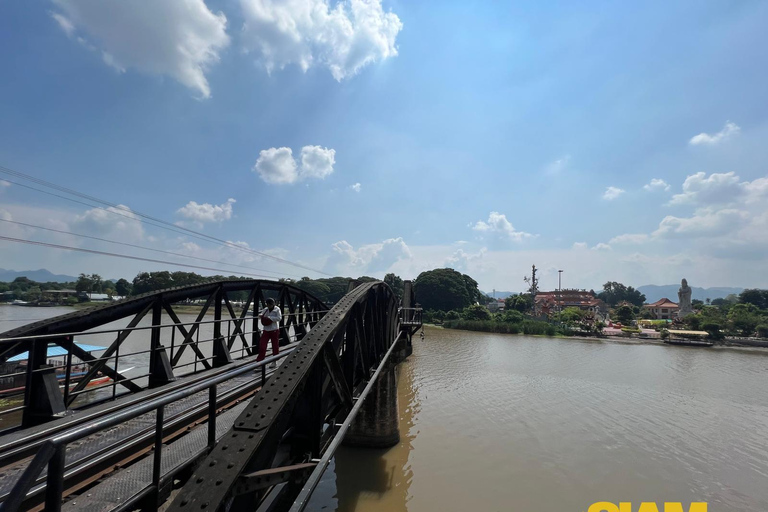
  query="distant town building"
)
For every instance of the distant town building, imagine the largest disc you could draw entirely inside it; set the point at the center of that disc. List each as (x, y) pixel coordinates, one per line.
(100, 297)
(552, 302)
(662, 309)
(496, 306)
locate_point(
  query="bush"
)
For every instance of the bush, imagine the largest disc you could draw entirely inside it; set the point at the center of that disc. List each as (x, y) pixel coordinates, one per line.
(762, 330)
(664, 334)
(476, 312)
(71, 301)
(526, 327)
(714, 330)
(513, 317)
(452, 315)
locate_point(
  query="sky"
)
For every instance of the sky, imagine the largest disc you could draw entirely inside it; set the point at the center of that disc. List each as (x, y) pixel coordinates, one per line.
(611, 140)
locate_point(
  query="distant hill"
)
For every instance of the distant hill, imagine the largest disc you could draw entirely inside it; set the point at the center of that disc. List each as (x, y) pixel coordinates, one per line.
(654, 292)
(41, 276)
(499, 295)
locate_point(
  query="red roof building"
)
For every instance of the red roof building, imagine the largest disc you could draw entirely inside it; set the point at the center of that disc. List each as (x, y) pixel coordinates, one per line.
(663, 309)
(551, 302)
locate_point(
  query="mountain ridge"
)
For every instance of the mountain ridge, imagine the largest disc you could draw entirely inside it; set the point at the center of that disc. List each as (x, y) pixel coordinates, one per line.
(41, 275)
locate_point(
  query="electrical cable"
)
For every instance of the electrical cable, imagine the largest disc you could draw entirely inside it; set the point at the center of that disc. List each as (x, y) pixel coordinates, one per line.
(165, 224)
(142, 247)
(115, 255)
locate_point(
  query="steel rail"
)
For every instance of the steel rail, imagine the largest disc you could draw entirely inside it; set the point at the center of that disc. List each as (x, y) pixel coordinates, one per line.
(101, 460)
(59, 441)
(19, 448)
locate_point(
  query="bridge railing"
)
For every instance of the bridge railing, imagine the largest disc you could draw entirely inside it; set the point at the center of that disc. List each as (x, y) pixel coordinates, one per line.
(410, 316)
(133, 366)
(167, 346)
(52, 453)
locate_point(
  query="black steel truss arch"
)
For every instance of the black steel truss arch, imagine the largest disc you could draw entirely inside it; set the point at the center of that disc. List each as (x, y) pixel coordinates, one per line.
(292, 421)
(301, 311)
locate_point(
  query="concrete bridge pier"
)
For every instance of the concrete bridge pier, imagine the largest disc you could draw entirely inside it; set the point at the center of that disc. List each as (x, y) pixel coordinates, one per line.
(376, 425)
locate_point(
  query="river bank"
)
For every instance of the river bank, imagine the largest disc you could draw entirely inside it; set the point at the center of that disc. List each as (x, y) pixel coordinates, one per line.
(739, 344)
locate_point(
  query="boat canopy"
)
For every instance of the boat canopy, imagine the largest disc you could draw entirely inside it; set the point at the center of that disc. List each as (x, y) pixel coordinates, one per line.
(55, 350)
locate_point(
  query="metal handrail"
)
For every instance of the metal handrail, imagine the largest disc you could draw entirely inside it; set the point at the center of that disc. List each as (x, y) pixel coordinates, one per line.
(145, 327)
(52, 452)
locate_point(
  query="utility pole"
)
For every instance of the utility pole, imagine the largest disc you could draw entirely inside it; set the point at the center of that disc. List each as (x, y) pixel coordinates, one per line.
(534, 287)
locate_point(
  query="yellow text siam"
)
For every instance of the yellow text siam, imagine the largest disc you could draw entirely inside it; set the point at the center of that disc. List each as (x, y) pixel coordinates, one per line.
(646, 506)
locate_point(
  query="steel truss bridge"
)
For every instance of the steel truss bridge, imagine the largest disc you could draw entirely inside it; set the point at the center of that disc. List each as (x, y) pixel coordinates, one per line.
(179, 415)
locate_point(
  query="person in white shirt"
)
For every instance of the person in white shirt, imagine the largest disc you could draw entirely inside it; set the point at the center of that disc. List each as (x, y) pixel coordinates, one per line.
(270, 320)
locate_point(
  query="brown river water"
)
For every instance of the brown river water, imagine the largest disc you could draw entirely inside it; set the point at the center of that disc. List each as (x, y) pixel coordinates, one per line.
(515, 423)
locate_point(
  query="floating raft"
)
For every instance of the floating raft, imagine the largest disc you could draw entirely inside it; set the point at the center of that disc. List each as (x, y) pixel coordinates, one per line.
(692, 342)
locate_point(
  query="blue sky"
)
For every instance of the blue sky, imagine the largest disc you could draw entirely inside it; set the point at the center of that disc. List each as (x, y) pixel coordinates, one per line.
(475, 135)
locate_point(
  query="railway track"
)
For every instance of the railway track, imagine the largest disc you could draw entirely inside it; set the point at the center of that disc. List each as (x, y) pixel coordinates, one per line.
(92, 458)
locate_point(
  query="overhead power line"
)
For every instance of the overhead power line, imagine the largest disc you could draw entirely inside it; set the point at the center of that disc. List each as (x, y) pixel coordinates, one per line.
(115, 255)
(142, 247)
(144, 218)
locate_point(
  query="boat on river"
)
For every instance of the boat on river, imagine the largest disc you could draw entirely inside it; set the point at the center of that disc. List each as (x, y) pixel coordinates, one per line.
(13, 371)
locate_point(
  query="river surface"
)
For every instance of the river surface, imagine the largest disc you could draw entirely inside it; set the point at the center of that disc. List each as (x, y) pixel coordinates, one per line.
(514, 423)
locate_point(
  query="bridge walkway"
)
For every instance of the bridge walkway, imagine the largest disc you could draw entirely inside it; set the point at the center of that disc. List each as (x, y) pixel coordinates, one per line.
(92, 457)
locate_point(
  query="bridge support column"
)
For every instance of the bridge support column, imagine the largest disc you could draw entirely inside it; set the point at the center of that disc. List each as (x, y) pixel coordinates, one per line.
(376, 425)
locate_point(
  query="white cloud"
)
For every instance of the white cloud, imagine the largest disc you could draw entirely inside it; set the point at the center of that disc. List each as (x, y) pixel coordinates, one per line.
(462, 260)
(704, 223)
(117, 223)
(498, 224)
(612, 193)
(64, 23)
(717, 188)
(356, 187)
(580, 245)
(316, 162)
(372, 258)
(278, 166)
(638, 238)
(730, 129)
(657, 184)
(207, 212)
(181, 39)
(558, 165)
(343, 38)
(602, 247)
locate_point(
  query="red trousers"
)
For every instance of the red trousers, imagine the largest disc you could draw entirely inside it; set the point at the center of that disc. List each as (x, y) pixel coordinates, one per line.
(266, 336)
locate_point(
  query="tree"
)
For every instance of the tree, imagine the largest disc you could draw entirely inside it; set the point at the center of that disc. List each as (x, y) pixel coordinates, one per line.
(476, 312)
(315, 288)
(396, 283)
(571, 316)
(512, 316)
(96, 283)
(614, 292)
(84, 283)
(444, 289)
(123, 287)
(521, 303)
(744, 318)
(754, 296)
(625, 315)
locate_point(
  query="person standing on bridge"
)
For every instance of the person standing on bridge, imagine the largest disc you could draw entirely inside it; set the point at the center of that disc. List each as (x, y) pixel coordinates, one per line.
(270, 320)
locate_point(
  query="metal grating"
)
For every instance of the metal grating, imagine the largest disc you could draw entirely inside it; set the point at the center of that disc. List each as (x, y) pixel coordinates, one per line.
(129, 483)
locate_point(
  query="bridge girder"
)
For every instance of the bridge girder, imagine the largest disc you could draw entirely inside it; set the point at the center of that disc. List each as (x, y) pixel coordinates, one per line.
(293, 419)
